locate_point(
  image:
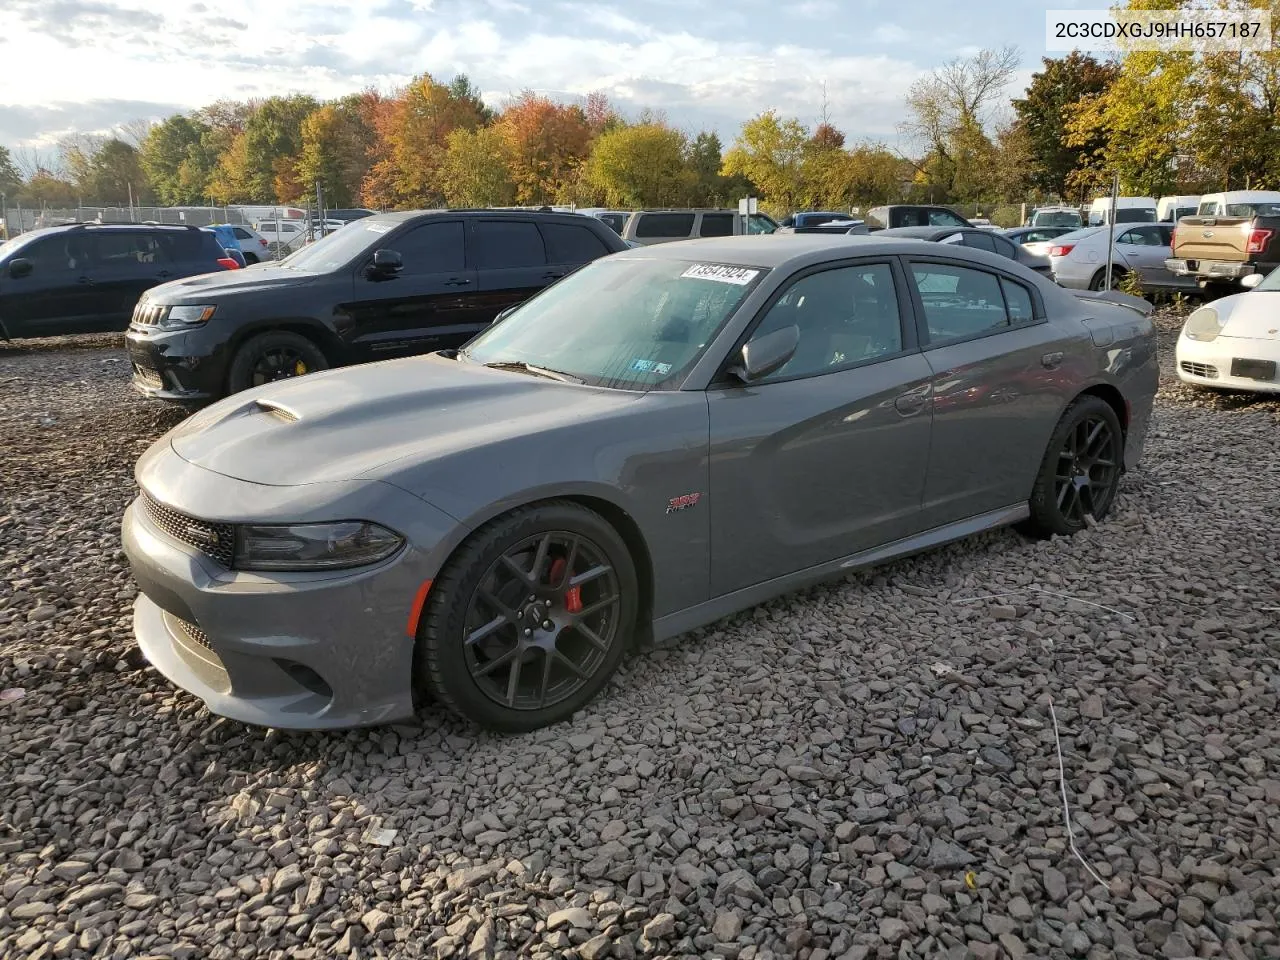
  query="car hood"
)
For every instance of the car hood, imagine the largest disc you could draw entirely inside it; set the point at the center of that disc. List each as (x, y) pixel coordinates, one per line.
(1255, 315)
(346, 424)
(213, 285)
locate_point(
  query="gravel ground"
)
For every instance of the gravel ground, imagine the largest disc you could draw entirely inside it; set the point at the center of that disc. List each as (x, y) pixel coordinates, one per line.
(867, 769)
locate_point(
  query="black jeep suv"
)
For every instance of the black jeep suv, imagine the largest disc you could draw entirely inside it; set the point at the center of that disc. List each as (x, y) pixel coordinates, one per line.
(384, 286)
(86, 277)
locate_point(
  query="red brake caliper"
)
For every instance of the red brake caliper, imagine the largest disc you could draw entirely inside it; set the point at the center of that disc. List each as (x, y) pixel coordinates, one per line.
(572, 596)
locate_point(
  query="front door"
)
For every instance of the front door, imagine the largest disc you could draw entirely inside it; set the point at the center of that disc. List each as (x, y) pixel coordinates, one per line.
(827, 456)
(1145, 250)
(430, 304)
(126, 263)
(1002, 372)
(57, 296)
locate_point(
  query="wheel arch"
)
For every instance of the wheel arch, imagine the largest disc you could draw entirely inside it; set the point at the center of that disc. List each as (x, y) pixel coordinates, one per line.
(324, 338)
(1114, 399)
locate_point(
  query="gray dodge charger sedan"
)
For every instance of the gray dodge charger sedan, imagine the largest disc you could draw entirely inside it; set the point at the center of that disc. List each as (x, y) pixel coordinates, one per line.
(664, 437)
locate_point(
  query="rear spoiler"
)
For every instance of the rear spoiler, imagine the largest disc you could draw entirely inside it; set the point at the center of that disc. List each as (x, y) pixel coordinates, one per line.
(1143, 307)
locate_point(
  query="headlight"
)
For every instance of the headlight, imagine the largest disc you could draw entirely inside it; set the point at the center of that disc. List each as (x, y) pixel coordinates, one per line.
(313, 546)
(1203, 325)
(180, 317)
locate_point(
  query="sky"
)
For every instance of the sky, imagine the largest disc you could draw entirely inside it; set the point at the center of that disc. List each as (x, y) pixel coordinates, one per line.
(88, 65)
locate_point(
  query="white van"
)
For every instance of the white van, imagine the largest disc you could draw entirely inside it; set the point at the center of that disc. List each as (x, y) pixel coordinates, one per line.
(1239, 203)
(1128, 210)
(1173, 209)
(1058, 216)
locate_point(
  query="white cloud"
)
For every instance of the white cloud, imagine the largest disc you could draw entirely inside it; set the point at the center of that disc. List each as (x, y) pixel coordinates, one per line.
(889, 33)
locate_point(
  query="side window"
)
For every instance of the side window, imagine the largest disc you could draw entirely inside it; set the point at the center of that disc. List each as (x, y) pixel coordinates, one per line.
(507, 244)
(51, 254)
(1005, 248)
(979, 241)
(846, 315)
(759, 223)
(716, 225)
(181, 245)
(944, 218)
(1017, 299)
(1141, 237)
(571, 244)
(241, 233)
(431, 248)
(125, 250)
(667, 225)
(959, 301)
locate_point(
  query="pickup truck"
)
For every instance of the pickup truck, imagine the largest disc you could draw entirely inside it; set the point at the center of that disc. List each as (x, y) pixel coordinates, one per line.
(1226, 242)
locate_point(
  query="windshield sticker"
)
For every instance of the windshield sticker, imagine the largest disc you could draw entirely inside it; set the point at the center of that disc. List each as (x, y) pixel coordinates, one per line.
(662, 369)
(640, 365)
(739, 276)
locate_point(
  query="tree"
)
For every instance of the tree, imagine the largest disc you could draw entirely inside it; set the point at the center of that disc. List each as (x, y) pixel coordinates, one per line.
(769, 152)
(273, 133)
(176, 161)
(476, 171)
(336, 142)
(232, 180)
(948, 114)
(10, 178)
(1045, 111)
(45, 188)
(105, 170)
(646, 165)
(549, 142)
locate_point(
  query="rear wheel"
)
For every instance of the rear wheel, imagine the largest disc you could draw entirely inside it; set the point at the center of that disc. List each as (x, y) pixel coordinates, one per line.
(1080, 472)
(277, 355)
(1099, 281)
(251, 258)
(530, 618)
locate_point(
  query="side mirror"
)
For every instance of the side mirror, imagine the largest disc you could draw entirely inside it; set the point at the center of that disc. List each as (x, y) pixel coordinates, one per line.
(1251, 280)
(386, 262)
(19, 267)
(765, 355)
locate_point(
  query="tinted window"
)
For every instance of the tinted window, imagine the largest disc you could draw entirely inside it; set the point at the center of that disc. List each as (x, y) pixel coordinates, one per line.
(1142, 237)
(980, 241)
(1253, 209)
(189, 244)
(571, 244)
(944, 218)
(616, 221)
(1005, 248)
(1017, 299)
(431, 248)
(845, 316)
(716, 225)
(125, 249)
(959, 302)
(242, 234)
(504, 244)
(54, 253)
(759, 223)
(665, 225)
(1136, 215)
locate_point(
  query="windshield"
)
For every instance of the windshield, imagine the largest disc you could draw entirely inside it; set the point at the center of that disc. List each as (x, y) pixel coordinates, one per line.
(632, 324)
(1135, 215)
(1057, 218)
(339, 247)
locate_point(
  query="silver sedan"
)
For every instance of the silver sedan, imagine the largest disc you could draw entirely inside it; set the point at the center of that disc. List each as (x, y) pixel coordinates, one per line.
(1080, 258)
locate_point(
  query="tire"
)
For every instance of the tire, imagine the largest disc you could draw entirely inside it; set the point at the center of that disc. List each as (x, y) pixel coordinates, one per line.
(1055, 511)
(465, 634)
(252, 363)
(251, 258)
(1099, 281)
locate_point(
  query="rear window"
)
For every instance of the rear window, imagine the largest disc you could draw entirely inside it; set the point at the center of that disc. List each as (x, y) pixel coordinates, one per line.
(1253, 209)
(616, 221)
(242, 234)
(569, 243)
(669, 225)
(1135, 215)
(716, 225)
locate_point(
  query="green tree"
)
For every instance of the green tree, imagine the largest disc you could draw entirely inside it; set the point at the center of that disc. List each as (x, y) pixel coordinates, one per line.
(176, 160)
(769, 152)
(1045, 111)
(476, 171)
(105, 171)
(646, 165)
(10, 178)
(336, 145)
(273, 133)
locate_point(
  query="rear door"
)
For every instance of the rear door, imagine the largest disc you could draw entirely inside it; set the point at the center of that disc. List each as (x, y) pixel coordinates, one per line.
(1002, 374)
(127, 262)
(827, 456)
(716, 225)
(57, 296)
(431, 304)
(510, 259)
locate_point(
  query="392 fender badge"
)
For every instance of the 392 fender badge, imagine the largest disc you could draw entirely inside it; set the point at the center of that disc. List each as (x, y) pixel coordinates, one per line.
(676, 504)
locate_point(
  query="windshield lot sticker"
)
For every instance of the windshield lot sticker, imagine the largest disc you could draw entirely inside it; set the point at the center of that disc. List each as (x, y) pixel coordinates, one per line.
(661, 369)
(642, 366)
(739, 276)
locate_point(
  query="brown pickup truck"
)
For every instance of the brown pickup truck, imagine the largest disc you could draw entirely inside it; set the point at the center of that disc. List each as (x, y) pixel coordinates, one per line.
(1221, 249)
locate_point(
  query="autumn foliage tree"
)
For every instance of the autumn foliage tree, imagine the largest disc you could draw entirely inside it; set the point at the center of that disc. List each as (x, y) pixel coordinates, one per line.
(549, 143)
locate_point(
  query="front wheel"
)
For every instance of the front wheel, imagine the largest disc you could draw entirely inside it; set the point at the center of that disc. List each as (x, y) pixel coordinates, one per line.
(277, 355)
(1080, 472)
(530, 618)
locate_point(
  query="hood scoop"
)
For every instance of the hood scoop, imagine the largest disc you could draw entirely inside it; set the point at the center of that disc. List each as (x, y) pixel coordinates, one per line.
(277, 410)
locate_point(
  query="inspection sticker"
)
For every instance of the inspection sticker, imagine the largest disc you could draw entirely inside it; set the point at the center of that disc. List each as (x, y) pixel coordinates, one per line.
(740, 276)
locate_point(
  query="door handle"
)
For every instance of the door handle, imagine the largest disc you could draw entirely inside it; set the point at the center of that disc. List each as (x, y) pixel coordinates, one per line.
(552, 276)
(912, 402)
(86, 280)
(1051, 361)
(456, 282)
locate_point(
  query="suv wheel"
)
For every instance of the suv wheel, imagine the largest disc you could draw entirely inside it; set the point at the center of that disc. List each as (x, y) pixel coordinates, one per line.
(277, 355)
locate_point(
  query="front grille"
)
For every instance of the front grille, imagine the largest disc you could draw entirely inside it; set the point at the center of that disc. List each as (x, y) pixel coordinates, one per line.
(216, 540)
(192, 632)
(147, 314)
(148, 376)
(1206, 370)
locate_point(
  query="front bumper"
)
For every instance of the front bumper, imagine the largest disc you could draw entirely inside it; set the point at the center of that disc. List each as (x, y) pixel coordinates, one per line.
(290, 650)
(1210, 364)
(180, 365)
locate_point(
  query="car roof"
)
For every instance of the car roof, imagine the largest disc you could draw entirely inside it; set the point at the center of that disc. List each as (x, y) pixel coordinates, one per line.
(792, 249)
(924, 233)
(405, 216)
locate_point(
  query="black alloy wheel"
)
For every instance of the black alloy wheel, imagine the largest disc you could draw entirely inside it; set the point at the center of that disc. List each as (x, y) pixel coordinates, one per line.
(1080, 472)
(275, 355)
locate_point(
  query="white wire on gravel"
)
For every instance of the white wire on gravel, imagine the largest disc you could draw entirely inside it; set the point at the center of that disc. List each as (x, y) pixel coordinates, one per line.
(1066, 808)
(1060, 596)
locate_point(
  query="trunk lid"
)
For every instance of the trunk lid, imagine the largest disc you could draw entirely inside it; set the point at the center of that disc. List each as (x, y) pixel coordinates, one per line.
(1212, 238)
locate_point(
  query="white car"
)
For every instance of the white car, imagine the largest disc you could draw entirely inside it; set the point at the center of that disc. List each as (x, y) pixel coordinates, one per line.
(287, 233)
(253, 245)
(1079, 258)
(1234, 343)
